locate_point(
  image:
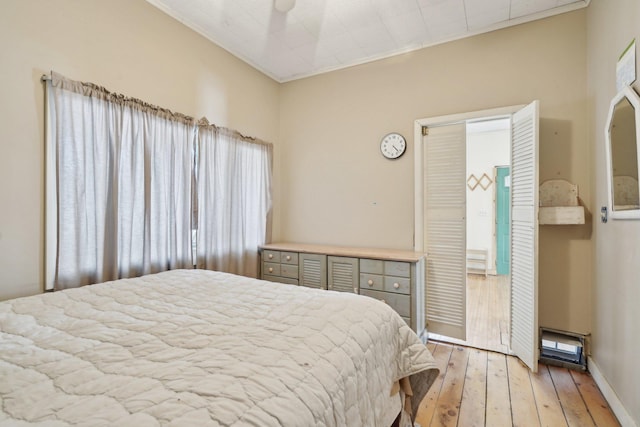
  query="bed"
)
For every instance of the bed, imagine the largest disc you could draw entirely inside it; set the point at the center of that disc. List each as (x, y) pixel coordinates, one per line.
(204, 348)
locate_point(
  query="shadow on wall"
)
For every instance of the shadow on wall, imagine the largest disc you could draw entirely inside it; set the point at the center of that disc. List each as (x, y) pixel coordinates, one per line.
(563, 251)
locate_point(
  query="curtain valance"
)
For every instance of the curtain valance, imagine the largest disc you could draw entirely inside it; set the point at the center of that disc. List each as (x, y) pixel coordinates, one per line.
(94, 91)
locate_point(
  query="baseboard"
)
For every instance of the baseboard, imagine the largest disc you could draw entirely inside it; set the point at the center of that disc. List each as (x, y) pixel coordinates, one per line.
(610, 395)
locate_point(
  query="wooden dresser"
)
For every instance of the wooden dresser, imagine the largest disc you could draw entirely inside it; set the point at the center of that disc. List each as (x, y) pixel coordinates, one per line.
(393, 276)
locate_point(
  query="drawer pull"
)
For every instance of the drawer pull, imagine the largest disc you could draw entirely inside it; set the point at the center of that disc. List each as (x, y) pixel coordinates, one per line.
(270, 256)
(370, 282)
(288, 257)
(396, 285)
(270, 269)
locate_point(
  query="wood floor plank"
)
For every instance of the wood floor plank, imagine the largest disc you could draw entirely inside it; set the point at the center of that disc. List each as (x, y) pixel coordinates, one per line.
(547, 402)
(575, 410)
(485, 309)
(428, 406)
(477, 311)
(478, 303)
(593, 399)
(502, 314)
(448, 407)
(499, 384)
(523, 403)
(474, 395)
(487, 312)
(505, 336)
(493, 314)
(498, 411)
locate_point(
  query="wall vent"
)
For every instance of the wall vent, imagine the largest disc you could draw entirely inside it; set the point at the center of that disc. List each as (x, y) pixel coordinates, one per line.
(560, 348)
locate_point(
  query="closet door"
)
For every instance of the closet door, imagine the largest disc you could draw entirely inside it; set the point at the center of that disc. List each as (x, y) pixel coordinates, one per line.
(445, 229)
(524, 235)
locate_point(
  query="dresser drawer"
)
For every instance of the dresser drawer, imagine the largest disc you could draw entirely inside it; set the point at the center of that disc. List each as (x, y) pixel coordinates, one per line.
(371, 281)
(289, 258)
(399, 285)
(397, 268)
(271, 269)
(271, 256)
(285, 280)
(374, 266)
(400, 303)
(289, 271)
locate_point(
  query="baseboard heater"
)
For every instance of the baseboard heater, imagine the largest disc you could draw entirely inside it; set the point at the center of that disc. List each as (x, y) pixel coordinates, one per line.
(560, 348)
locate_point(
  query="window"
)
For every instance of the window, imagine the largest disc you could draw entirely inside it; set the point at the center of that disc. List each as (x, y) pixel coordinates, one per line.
(121, 189)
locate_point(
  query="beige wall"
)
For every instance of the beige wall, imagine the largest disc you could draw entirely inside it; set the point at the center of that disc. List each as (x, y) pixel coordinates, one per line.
(129, 47)
(336, 188)
(616, 284)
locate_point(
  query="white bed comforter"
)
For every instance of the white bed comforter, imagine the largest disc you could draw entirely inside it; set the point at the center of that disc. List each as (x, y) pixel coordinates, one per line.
(202, 348)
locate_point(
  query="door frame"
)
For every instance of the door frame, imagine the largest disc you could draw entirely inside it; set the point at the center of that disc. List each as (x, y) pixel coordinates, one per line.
(445, 120)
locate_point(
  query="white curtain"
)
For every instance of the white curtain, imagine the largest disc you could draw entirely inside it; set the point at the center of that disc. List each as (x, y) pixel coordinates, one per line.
(119, 184)
(234, 200)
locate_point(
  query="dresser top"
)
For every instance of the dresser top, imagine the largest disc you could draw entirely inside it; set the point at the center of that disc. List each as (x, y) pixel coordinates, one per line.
(384, 254)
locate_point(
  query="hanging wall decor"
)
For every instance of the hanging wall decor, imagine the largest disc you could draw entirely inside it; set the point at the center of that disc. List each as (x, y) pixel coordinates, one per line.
(485, 182)
(472, 182)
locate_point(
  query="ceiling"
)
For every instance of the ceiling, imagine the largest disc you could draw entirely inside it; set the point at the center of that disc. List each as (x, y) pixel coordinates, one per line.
(317, 36)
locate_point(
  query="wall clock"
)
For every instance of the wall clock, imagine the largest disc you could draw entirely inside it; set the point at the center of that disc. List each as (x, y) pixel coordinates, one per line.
(393, 145)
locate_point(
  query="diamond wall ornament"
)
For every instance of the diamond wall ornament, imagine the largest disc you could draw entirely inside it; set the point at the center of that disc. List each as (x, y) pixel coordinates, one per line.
(485, 182)
(472, 182)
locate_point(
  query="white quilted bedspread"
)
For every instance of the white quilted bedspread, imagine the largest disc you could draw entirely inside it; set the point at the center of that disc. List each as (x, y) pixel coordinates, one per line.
(202, 348)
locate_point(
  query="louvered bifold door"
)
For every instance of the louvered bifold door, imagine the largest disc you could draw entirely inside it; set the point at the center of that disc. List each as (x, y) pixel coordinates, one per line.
(524, 235)
(445, 229)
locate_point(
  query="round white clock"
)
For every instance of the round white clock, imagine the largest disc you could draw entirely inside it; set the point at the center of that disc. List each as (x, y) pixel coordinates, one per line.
(393, 145)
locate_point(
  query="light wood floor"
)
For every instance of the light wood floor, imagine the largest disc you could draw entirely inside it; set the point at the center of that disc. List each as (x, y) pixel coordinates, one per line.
(487, 314)
(484, 388)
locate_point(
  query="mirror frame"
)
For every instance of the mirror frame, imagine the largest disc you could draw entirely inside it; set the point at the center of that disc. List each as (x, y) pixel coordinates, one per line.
(630, 94)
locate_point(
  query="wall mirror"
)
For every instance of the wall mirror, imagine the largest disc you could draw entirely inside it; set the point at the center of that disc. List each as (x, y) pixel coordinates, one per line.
(622, 137)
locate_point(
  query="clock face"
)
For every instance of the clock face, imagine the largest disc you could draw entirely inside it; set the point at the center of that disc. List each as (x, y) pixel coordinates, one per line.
(393, 146)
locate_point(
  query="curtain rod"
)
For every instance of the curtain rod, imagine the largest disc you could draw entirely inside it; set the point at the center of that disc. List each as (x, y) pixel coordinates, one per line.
(45, 78)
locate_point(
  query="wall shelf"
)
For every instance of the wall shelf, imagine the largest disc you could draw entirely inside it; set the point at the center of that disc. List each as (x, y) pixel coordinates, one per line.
(561, 215)
(559, 203)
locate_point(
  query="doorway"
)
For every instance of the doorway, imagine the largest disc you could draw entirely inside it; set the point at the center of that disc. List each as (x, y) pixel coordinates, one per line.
(441, 182)
(488, 144)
